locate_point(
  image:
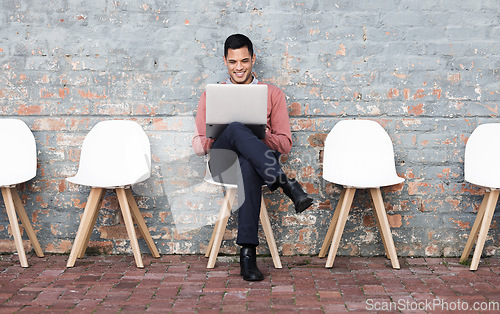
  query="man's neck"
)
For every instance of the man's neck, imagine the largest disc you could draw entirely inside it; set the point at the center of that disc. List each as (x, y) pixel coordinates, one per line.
(254, 81)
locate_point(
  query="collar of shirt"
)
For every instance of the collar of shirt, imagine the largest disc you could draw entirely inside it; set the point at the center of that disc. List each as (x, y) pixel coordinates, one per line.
(254, 81)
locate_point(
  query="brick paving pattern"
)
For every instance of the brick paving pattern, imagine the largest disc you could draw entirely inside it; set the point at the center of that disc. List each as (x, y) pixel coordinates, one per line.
(174, 283)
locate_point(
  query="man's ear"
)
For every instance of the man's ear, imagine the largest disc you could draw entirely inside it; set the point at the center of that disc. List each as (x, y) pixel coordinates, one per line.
(253, 59)
(225, 61)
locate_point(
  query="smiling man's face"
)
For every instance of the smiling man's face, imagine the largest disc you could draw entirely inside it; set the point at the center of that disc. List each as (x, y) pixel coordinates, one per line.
(239, 65)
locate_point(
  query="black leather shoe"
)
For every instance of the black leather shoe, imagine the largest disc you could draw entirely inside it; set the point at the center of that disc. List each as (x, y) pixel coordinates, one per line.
(248, 264)
(296, 193)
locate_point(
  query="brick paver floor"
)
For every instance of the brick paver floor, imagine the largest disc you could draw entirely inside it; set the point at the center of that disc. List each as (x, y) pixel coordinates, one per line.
(174, 283)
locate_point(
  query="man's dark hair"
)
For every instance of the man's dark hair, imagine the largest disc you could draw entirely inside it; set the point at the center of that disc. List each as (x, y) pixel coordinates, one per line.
(237, 41)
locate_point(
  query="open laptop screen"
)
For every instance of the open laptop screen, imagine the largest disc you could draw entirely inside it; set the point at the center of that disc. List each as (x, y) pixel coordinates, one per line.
(228, 103)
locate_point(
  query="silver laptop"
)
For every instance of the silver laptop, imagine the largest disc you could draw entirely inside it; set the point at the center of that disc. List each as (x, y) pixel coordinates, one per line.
(228, 103)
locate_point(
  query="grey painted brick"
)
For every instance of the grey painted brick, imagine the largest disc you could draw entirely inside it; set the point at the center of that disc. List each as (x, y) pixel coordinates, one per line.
(426, 70)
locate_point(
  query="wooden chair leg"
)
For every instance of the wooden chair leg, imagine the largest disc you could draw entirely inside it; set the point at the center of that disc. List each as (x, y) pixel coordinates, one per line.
(85, 225)
(484, 228)
(217, 222)
(221, 226)
(268, 231)
(142, 225)
(211, 242)
(475, 229)
(129, 224)
(379, 226)
(382, 235)
(14, 224)
(21, 212)
(95, 214)
(331, 228)
(339, 228)
(385, 229)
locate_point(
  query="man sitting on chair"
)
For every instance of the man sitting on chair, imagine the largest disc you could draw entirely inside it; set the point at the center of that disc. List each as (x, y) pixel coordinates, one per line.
(258, 159)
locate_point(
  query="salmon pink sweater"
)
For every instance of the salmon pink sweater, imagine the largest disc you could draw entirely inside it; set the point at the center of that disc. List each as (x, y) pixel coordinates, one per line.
(278, 133)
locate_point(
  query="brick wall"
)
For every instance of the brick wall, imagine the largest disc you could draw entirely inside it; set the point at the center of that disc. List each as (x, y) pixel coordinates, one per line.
(426, 70)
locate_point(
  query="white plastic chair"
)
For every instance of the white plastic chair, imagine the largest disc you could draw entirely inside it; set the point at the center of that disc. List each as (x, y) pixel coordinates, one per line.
(115, 154)
(359, 155)
(17, 165)
(482, 168)
(221, 223)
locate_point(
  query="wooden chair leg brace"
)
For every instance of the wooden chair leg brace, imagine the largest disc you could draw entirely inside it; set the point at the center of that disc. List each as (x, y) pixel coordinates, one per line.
(480, 228)
(220, 227)
(129, 210)
(339, 220)
(14, 204)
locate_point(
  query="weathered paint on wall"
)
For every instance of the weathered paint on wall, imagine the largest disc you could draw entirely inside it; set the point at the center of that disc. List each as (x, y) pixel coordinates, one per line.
(427, 71)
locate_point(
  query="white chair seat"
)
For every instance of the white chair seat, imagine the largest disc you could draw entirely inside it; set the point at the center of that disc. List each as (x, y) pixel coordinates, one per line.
(367, 184)
(361, 155)
(18, 153)
(114, 153)
(209, 179)
(481, 165)
(104, 182)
